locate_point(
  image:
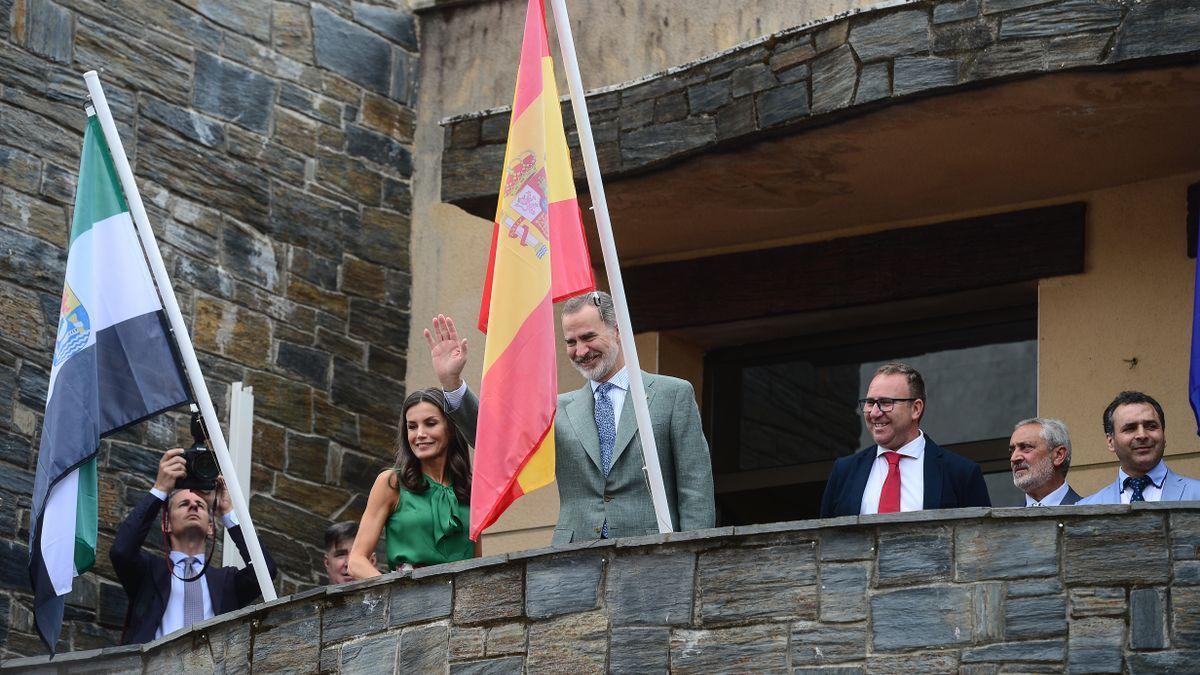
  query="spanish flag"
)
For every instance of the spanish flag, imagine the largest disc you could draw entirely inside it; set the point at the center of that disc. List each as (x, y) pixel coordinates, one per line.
(539, 256)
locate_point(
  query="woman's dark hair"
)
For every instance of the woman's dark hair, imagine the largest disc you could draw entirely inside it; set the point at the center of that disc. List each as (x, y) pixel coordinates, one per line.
(458, 455)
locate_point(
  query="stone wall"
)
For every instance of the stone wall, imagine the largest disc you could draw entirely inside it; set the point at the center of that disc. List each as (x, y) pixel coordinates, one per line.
(978, 591)
(272, 144)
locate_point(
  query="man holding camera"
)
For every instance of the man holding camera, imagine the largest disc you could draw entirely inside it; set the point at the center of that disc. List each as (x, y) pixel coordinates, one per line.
(170, 592)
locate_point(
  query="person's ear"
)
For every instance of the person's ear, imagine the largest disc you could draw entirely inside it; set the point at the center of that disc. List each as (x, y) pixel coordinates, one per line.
(1059, 457)
(1108, 438)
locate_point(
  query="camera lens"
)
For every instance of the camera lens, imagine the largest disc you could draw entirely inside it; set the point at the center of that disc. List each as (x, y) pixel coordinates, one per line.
(205, 466)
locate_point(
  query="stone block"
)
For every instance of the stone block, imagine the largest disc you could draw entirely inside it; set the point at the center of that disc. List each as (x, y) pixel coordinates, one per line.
(509, 665)
(576, 643)
(847, 544)
(945, 12)
(351, 51)
(844, 591)
(506, 638)
(489, 594)
(1024, 588)
(891, 35)
(670, 108)
(294, 97)
(915, 556)
(309, 365)
(912, 74)
(414, 603)
(20, 171)
(399, 122)
(320, 499)
(1006, 550)
(562, 585)
(996, 6)
(751, 79)
(231, 92)
(965, 36)
(350, 176)
(50, 32)
(292, 647)
(737, 118)
(919, 662)
(651, 590)
(989, 611)
(1008, 58)
(466, 642)
(375, 654)
(1096, 645)
(834, 76)
(152, 62)
(1076, 50)
(736, 584)
(378, 148)
(1185, 536)
(759, 648)
(663, 141)
(1187, 573)
(307, 456)
(819, 644)
(398, 26)
(1061, 18)
(1032, 651)
(1035, 617)
(781, 105)
(1129, 549)
(1185, 616)
(639, 650)
(360, 390)
(932, 616)
(1087, 602)
(1154, 29)
(873, 84)
(1157, 663)
(1147, 618)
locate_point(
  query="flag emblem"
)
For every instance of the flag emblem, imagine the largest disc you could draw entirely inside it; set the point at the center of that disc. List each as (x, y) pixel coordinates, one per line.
(74, 327)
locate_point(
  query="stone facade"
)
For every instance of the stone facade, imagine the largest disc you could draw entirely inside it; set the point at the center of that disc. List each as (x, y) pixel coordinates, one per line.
(272, 144)
(973, 591)
(843, 65)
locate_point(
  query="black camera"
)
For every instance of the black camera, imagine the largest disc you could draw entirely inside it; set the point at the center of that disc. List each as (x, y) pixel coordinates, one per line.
(200, 462)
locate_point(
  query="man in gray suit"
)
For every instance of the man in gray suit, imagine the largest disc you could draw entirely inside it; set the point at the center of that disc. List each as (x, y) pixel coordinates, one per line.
(1135, 427)
(1040, 455)
(602, 490)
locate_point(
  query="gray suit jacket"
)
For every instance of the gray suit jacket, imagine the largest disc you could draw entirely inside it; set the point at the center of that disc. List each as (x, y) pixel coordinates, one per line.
(587, 497)
(1175, 488)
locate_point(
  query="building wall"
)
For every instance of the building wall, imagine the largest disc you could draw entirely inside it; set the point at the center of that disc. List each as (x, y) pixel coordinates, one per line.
(1073, 589)
(272, 144)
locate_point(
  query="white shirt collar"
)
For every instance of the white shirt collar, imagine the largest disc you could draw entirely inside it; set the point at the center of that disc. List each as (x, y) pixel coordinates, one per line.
(620, 380)
(914, 448)
(1158, 475)
(178, 557)
(1053, 499)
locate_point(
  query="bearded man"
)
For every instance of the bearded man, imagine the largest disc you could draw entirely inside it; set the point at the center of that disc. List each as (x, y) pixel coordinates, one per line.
(601, 483)
(1040, 457)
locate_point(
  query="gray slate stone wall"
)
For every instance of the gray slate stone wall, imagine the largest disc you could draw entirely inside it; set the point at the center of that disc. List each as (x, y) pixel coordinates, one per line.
(970, 591)
(272, 143)
(844, 65)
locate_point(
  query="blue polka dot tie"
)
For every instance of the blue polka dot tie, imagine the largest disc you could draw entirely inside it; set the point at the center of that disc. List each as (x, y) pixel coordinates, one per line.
(606, 429)
(1137, 485)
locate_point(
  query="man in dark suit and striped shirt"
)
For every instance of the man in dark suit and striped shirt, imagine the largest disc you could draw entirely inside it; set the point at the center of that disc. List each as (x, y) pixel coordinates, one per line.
(1040, 456)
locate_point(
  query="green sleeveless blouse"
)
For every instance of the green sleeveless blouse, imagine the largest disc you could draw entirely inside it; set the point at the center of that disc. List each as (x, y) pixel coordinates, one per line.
(428, 528)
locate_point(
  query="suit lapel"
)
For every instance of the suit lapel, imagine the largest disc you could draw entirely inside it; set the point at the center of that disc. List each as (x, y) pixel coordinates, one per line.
(858, 479)
(581, 415)
(933, 475)
(627, 425)
(212, 579)
(1172, 490)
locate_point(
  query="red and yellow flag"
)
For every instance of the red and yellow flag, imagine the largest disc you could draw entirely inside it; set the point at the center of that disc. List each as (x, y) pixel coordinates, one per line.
(539, 256)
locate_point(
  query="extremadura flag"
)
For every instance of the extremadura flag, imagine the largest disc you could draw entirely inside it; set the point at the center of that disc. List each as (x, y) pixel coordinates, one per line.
(113, 367)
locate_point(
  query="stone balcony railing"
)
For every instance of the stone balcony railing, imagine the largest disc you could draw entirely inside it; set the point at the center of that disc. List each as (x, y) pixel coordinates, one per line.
(1081, 589)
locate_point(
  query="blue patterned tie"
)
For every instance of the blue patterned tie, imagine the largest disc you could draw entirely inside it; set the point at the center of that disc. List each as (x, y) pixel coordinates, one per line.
(606, 428)
(1137, 485)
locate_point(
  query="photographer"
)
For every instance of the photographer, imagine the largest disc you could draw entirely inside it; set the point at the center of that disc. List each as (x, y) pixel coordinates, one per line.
(171, 591)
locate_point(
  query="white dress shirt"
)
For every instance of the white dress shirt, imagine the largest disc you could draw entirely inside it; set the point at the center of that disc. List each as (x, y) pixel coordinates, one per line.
(1153, 492)
(912, 477)
(172, 619)
(1053, 499)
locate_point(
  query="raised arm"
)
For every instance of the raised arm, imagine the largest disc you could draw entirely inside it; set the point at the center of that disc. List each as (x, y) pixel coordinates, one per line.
(380, 504)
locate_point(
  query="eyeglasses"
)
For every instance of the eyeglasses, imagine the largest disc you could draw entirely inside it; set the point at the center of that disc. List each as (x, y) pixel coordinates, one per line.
(885, 404)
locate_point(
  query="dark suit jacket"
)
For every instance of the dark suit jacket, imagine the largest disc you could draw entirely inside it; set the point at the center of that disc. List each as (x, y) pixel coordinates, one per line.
(1070, 498)
(147, 581)
(951, 481)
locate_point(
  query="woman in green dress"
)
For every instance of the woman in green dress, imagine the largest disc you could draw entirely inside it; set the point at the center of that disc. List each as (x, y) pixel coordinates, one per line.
(421, 505)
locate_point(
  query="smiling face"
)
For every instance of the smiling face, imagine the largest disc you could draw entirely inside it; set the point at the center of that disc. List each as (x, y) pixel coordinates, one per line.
(1033, 461)
(428, 433)
(893, 429)
(1138, 439)
(593, 346)
(189, 514)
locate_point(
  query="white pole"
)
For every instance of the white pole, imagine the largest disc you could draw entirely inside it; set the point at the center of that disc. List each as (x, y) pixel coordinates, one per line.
(241, 438)
(612, 265)
(167, 293)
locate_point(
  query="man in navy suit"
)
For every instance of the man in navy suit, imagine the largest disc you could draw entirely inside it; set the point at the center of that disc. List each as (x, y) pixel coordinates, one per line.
(1135, 428)
(905, 470)
(1040, 456)
(161, 600)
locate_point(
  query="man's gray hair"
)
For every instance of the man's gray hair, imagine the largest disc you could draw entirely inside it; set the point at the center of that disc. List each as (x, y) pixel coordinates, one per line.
(602, 301)
(1054, 432)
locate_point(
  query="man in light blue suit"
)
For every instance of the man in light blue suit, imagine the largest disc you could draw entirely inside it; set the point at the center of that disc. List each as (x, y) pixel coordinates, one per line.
(1136, 431)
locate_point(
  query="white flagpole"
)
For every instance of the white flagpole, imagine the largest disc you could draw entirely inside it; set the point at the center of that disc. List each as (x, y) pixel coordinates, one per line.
(171, 306)
(612, 265)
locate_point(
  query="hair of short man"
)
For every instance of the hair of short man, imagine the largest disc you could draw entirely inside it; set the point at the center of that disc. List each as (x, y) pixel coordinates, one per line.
(1054, 432)
(916, 384)
(602, 301)
(337, 533)
(1129, 398)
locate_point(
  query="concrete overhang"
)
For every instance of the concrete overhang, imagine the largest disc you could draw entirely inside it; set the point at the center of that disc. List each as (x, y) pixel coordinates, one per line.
(897, 113)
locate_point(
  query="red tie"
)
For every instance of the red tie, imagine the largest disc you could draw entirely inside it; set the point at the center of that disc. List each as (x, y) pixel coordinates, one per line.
(889, 497)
